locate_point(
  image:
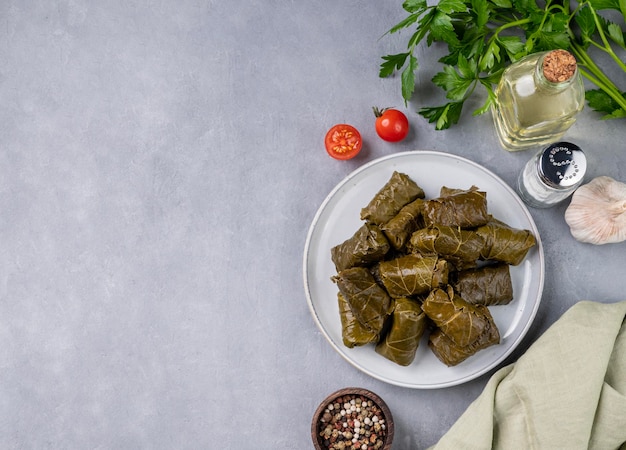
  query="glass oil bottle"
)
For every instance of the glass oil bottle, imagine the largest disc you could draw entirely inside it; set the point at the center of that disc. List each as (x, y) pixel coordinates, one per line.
(537, 100)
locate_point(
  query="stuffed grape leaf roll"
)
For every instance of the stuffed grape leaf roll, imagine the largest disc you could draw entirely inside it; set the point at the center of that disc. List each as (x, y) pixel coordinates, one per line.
(465, 209)
(413, 274)
(451, 354)
(366, 246)
(445, 241)
(398, 192)
(369, 302)
(459, 320)
(446, 191)
(488, 285)
(399, 229)
(504, 243)
(352, 332)
(408, 323)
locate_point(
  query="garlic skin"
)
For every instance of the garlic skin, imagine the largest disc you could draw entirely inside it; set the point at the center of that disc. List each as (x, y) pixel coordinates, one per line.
(597, 212)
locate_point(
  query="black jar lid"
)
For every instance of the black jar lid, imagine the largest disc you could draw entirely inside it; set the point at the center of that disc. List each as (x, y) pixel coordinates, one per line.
(562, 165)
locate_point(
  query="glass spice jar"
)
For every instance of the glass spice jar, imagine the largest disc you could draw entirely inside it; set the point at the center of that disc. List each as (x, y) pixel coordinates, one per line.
(552, 175)
(537, 100)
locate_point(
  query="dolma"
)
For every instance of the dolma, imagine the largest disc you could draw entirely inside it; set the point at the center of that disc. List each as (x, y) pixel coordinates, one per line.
(408, 323)
(459, 320)
(488, 285)
(352, 332)
(451, 354)
(464, 245)
(375, 271)
(367, 245)
(398, 192)
(369, 302)
(399, 229)
(413, 274)
(446, 191)
(504, 243)
(465, 209)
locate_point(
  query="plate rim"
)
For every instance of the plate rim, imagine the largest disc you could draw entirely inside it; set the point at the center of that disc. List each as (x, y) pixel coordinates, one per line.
(480, 371)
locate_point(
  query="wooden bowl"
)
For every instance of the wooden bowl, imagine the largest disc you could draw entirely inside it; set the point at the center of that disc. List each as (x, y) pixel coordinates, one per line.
(325, 418)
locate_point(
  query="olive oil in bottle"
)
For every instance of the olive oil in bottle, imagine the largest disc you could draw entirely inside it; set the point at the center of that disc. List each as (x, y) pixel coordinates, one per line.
(537, 100)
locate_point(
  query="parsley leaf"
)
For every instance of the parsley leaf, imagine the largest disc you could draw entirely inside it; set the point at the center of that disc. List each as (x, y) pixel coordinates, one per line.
(605, 4)
(600, 101)
(490, 57)
(483, 37)
(455, 85)
(441, 28)
(415, 6)
(443, 116)
(491, 99)
(615, 32)
(502, 3)
(587, 24)
(513, 46)
(548, 40)
(617, 114)
(405, 23)
(480, 9)
(451, 6)
(408, 78)
(392, 63)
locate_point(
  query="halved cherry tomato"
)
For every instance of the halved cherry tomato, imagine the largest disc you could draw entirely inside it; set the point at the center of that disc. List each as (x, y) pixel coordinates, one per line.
(391, 124)
(343, 141)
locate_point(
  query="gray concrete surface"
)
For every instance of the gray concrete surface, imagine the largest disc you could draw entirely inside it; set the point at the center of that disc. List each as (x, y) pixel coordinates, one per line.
(160, 164)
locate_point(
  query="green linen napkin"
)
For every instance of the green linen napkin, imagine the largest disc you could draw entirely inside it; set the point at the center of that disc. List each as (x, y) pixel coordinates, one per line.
(568, 391)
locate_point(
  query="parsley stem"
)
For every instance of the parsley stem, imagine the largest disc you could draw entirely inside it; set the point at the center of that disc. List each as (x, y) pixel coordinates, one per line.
(620, 100)
(597, 77)
(607, 46)
(609, 51)
(587, 62)
(511, 25)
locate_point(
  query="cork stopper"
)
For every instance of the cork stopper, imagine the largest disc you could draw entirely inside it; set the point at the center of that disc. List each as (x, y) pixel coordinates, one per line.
(559, 66)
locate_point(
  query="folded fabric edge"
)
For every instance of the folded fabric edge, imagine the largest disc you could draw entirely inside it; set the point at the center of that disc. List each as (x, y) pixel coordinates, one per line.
(478, 425)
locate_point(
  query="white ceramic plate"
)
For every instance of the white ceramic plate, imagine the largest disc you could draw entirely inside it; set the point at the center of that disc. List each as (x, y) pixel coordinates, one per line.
(338, 218)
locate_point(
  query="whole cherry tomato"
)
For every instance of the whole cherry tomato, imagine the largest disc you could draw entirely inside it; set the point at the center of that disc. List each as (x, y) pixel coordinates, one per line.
(391, 124)
(343, 141)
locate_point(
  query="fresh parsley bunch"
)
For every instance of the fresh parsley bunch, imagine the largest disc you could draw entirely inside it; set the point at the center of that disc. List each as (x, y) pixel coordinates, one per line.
(485, 36)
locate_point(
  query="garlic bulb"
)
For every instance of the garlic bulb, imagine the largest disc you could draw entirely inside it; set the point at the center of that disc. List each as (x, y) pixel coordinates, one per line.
(597, 212)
